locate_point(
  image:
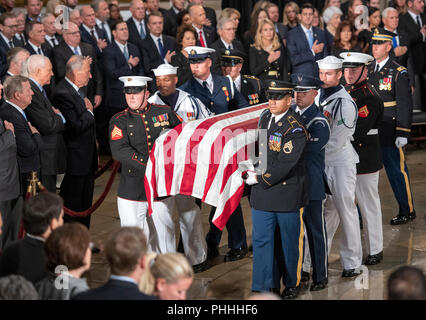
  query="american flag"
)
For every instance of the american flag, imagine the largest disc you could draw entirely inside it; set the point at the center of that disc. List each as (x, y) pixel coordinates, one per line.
(204, 159)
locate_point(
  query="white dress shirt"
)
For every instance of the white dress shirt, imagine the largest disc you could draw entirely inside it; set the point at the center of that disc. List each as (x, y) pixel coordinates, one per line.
(307, 37)
(227, 45)
(210, 84)
(90, 31)
(381, 64)
(237, 83)
(277, 118)
(137, 23)
(36, 48)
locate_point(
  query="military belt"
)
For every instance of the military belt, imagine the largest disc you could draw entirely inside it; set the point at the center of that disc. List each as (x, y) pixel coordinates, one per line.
(389, 104)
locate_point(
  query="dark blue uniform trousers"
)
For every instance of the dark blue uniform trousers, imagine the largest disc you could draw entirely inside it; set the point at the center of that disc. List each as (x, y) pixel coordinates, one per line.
(397, 172)
(291, 232)
(317, 238)
(235, 227)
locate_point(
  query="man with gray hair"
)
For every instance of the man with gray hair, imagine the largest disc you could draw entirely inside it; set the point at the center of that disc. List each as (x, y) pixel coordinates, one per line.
(51, 36)
(17, 95)
(15, 59)
(78, 184)
(226, 30)
(47, 120)
(102, 15)
(390, 18)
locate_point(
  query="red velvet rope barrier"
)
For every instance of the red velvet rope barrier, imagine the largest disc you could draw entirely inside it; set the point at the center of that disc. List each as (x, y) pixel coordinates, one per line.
(98, 202)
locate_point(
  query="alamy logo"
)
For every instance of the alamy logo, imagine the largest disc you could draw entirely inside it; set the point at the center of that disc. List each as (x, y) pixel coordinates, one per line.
(61, 21)
(361, 21)
(62, 280)
(361, 282)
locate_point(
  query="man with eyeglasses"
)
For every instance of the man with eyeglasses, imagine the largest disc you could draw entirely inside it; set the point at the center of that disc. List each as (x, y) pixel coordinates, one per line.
(136, 23)
(7, 32)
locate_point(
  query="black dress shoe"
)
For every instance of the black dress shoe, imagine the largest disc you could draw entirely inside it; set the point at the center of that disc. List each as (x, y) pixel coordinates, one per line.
(412, 215)
(200, 267)
(212, 252)
(399, 219)
(349, 273)
(290, 293)
(316, 286)
(305, 276)
(374, 259)
(235, 254)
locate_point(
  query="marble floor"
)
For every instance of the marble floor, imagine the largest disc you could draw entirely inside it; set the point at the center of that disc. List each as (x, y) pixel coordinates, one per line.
(404, 244)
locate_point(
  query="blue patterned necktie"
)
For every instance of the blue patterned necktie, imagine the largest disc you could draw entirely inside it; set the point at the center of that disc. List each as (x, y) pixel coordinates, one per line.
(126, 53)
(141, 31)
(161, 48)
(76, 51)
(310, 38)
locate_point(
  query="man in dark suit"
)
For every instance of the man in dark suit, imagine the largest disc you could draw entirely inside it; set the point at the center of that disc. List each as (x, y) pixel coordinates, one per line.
(15, 59)
(171, 17)
(33, 10)
(42, 214)
(7, 33)
(90, 32)
(210, 13)
(205, 35)
(154, 6)
(226, 30)
(71, 45)
(36, 43)
(17, 94)
(11, 201)
(390, 18)
(414, 24)
(20, 38)
(102, 15)
(47, 120)
(125, 250)
(78, 184)
(273, 15)
(120, 58)
(52, 38)
(156, 48)
(305, 44)
(136, 23)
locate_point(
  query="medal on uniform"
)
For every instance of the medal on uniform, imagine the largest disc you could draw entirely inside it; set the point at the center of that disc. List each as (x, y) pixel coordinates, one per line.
(225, 91)
(250, 96)
(385, 84)
(275, 142)
(165, 120)
(156, 123)
(190, 116)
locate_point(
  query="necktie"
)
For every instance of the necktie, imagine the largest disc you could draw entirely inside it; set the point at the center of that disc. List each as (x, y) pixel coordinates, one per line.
(229, 47)
(39, 51)
(272, 122)
(25, 116)
(104, 30)
(377, 68)
(161, 48)
(126, 53)
(92, 32)
(44, 92)
(141, 31)
(10, 44)
(53, 39)
(81, 93)
(394, 42)
(203, 44)
(418, 21)
(310, 38)
(205, 86)
(76, 52)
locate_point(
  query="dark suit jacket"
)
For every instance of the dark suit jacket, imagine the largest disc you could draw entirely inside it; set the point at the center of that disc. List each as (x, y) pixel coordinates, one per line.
(211, 15)
(45, 48)
(51, 127)
(4, 49)
(170, 19)
(28, 144)
(26, 258)
(210, 35)
(114, 290)
(300, 54)
(19, 42)
(216, 56)
(116, 66)
(9, 171)
(86, 37)
(60, 56)
(416, 46)
(134, 35)
(79, 129)
(150, 54)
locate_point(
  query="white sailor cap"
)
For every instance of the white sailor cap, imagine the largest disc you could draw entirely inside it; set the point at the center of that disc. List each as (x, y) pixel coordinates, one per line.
(198, 54)
(165, 69)
(330, 63)
(134, 84)
(355, 59)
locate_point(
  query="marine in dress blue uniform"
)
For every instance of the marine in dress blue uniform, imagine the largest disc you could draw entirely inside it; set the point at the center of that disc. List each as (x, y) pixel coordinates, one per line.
(319, 132)
(392, 83)
(220, 95)
(279, 193)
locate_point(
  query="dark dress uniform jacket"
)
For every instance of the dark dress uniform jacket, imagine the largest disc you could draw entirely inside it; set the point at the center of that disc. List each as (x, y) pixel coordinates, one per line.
(184, 72)
(221, 100)
(252, 90)
(28, 144)
(132, 136)
(51, 128)
(392, 83)
(261, 68)
(366, 142)
(9, 172)
(79, 132)
(319, 133)
(283, 186)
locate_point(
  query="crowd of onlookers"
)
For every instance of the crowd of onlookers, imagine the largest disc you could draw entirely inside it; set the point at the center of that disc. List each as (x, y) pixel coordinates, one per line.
(49, 262)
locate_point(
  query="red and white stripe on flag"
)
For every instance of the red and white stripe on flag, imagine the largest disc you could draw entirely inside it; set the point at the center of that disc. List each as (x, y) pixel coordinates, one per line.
(200, 158)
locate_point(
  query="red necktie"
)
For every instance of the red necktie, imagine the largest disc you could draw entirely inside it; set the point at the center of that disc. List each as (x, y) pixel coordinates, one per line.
(203, 44)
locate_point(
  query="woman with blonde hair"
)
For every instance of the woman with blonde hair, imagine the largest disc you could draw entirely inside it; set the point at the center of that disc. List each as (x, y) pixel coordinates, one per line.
(167, 276)
(267, 56)
(291, 11)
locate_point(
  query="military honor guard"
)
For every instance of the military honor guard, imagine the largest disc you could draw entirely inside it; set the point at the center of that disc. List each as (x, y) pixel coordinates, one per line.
(279, 193)
(132, 135)
(319, 132)
(188, 108)
(340, 165)
(367, 145)
(249, 86)
(219, 94)
(392, 83)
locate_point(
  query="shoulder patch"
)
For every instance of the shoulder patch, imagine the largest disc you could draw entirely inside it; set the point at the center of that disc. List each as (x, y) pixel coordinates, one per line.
(116, 133)
(401, 68)
(363, 112)
(296, 130)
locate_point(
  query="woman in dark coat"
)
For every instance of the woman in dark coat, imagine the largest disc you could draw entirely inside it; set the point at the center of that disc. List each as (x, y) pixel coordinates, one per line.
(186, 37)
